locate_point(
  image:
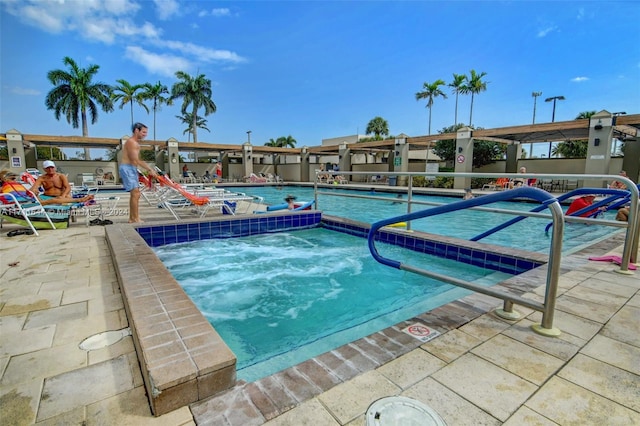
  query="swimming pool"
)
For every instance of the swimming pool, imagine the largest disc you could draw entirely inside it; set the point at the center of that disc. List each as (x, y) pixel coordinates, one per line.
(279, 299)
(465, 224)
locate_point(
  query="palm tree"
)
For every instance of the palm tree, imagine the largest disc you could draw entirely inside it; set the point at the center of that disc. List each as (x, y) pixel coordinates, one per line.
(125, 92)
(287, 141)
(195, 92)
(187, 119)
(74, 93)
(282, 142)
(585, 114)
(456, 84)
(429, 92)
(155, 92)
(473, 85)
(378, 126)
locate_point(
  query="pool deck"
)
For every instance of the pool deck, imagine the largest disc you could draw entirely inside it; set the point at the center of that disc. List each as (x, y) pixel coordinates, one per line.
(480, 370)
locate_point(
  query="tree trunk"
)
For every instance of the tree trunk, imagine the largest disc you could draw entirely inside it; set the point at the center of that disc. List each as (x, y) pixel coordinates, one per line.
(85, 133)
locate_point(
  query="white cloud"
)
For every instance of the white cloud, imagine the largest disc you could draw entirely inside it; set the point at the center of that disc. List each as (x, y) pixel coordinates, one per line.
(92, 19)
(221, 12)
(545, 31)
(156, 63)
(167, 8)
(579, 79)
(202, 53)
(23, 91)
(215, 12)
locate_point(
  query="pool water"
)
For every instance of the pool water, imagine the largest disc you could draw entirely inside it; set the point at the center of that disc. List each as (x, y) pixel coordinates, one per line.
(280, 299)
(528, 234)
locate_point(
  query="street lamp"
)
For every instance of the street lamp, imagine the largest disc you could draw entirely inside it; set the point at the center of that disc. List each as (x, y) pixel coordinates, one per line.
(554, 99)
(249, 136)
(616, 114)
(535, 98)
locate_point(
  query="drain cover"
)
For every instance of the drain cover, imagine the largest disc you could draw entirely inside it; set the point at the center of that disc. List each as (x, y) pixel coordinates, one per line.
(401, 411)
(102, 340)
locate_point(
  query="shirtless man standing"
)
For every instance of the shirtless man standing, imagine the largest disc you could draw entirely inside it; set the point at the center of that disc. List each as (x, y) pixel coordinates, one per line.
(56, 187)
(129, 169)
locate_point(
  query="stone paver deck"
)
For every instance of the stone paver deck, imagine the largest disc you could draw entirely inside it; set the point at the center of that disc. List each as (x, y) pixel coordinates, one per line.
(480, 370)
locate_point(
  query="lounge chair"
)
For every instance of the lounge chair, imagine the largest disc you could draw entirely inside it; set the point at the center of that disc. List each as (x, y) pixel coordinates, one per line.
(24, 208)
(253, 178)
(176, 198)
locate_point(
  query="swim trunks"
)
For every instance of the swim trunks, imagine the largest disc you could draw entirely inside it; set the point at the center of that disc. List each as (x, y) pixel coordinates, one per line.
(129, 176)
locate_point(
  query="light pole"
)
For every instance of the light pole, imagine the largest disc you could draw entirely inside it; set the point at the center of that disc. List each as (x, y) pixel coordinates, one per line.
(554, 99)
(535, 98)
(249, 136)
(553, 114)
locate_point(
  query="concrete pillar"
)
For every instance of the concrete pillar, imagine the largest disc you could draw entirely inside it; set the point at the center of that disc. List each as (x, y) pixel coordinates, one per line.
(401, 160)
(631, 160)
(463, 157)
(304, 164)
(344, 158)
(247, 159)
(160, 158)
(224, 159)
(15, 151)
(173, 154)
(599, 148)
(514, 152)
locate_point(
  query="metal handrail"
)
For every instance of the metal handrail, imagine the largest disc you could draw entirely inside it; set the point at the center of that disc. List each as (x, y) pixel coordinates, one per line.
(630, 249)
(547, 307)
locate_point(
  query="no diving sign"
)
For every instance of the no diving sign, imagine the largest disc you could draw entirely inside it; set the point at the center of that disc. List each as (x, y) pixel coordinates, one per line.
(421, 332)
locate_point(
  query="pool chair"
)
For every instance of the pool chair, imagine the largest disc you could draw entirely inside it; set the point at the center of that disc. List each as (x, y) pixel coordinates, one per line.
(274, 178)
(23, 208)
(253, 178)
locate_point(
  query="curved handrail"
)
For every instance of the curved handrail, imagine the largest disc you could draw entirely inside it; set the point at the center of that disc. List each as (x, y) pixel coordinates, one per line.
(547, 307)
(526, 192)
(616, 194)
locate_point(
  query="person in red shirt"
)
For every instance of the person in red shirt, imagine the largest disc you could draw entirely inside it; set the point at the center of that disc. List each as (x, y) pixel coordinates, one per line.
(580, 203)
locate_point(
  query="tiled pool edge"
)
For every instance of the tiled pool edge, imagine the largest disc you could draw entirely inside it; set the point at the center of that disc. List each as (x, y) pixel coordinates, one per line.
(181, 356)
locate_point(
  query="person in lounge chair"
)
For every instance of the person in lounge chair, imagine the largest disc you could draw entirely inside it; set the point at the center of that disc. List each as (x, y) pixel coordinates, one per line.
(56, 187)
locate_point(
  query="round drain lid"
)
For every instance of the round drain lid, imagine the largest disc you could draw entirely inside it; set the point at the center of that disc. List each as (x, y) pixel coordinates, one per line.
(102, 340)
(402, 411)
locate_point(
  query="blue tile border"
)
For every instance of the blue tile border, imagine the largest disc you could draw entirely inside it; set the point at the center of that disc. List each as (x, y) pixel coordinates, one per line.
(511, 261)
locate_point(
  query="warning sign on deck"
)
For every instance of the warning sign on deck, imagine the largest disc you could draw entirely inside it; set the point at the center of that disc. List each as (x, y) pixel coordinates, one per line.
(421, 332)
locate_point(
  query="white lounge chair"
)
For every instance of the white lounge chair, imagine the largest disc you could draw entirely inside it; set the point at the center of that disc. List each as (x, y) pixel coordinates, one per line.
(25, 209)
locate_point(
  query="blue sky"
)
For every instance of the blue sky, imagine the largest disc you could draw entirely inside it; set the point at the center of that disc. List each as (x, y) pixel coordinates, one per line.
(321, 69)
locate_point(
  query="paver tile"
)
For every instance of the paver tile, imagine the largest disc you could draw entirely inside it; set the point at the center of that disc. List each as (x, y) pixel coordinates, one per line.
(57, 315)
(451, 345)
(453, 409)
(493, 389)
(66, 391)
(568, 404)
(43, 363)
(29, 303)
(411, 368)
(19, 403)
(527, 417)
(520, 359)
(348, 400)
(614, 352)
(309, 413)
(604, 379)
(21, 342)
(619, 327)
